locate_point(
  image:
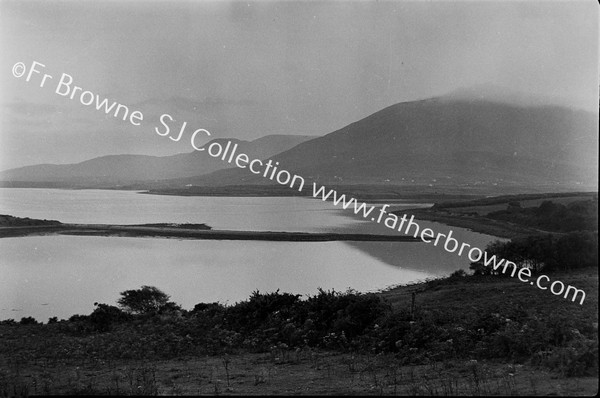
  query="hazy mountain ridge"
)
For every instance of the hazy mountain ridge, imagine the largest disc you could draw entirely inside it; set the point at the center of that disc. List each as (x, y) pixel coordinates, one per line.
(126, 169)
(462, 138)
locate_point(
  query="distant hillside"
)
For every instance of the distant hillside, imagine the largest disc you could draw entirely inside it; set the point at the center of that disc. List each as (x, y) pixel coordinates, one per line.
(115, 170)
(449, 140)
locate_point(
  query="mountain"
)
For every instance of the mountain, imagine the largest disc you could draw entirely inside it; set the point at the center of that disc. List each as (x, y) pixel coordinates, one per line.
(118, 170)
(456, 139)
(479, 137)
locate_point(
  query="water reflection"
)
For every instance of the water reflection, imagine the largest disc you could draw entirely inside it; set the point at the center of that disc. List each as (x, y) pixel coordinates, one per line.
(46, 276)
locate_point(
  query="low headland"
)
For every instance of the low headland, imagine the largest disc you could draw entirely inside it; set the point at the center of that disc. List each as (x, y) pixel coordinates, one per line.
(16, 226)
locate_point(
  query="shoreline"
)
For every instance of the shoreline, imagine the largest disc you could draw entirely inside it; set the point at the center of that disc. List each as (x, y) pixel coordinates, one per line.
(191, 233)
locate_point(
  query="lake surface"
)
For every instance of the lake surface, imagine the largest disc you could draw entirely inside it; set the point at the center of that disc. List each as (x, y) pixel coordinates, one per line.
(44, 276)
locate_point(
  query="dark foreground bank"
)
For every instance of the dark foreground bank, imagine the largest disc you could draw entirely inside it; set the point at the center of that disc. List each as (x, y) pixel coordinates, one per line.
(462, 335)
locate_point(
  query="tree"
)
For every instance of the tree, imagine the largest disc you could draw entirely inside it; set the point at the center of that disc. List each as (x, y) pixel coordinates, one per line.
(146, 300)
(105, 315)
(28, 321)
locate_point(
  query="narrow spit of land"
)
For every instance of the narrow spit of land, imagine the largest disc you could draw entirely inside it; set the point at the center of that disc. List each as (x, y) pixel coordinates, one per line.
(16, 226)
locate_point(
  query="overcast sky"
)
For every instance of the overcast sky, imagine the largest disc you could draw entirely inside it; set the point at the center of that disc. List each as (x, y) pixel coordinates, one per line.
(249, 69)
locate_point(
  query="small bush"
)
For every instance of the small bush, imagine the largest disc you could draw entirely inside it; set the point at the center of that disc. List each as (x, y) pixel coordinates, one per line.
(459, 273)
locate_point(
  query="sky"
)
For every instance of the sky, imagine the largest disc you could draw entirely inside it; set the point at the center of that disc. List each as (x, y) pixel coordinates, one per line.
(250, 69)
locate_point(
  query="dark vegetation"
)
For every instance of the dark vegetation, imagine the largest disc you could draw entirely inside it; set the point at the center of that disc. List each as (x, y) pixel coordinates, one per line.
(547, 252)
(455, 330)
(528, 326)
(570, 243)
(550, 216)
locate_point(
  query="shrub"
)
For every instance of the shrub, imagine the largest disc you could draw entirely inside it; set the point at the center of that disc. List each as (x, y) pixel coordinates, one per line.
(28, 321)
(263, 311)
(350, 312)
(105, 315)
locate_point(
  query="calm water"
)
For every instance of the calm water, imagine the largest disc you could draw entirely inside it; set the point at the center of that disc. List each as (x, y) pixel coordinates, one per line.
(46, 276)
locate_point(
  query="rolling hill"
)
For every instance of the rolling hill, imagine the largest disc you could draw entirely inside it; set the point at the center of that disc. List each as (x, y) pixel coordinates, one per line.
(122, 170)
